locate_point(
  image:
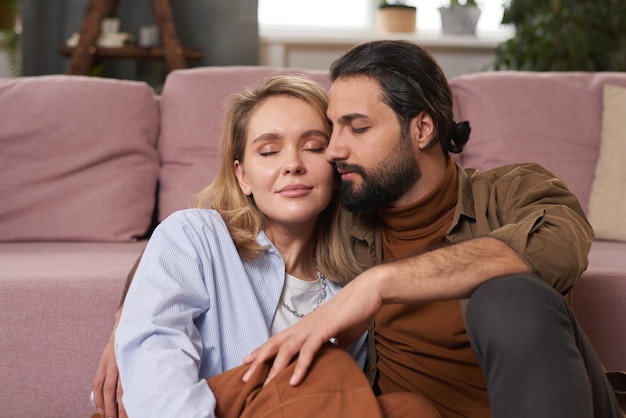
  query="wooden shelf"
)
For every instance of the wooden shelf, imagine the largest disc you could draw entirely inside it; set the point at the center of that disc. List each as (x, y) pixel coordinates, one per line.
(172, 52)
(134, 52)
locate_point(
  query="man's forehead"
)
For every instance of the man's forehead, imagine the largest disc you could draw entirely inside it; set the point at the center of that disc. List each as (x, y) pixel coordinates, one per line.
(356, 81)
(353, 95)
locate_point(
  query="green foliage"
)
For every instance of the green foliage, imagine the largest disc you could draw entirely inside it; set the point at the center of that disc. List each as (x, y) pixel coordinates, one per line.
(392, 3)
(9, 36)
(463, 3)
(564, 35)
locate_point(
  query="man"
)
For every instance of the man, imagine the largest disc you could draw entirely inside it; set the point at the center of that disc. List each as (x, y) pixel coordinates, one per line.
(512, 240)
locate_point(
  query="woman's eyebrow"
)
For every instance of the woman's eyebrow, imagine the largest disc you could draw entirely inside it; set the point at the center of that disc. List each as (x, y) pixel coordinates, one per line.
(314, 132)
(268, 136)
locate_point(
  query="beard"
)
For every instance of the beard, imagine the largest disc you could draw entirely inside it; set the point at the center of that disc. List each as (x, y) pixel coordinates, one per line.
(394, 175)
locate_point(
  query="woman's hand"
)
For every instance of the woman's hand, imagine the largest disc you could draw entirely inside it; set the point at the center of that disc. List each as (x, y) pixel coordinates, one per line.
(106, 385)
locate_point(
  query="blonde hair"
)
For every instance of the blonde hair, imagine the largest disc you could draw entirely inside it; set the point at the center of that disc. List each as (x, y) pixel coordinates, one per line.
(244, 219)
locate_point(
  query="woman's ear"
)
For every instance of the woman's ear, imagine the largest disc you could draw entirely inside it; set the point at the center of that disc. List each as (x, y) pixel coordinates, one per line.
(422, 129)
(240, 173)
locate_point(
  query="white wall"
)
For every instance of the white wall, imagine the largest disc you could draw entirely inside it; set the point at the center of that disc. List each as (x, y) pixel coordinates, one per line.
(4, 65)
(315, 50)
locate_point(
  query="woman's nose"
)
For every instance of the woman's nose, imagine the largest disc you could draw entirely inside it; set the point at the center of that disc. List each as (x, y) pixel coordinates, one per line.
(293, 163)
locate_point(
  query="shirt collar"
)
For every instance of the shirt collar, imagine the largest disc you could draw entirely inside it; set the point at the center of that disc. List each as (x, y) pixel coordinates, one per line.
(465, 200)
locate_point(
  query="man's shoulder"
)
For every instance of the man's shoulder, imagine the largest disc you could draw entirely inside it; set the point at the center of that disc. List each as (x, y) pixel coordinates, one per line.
(507, 172)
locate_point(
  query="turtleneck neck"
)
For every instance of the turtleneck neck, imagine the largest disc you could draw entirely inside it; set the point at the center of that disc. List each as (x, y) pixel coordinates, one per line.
(423, 224)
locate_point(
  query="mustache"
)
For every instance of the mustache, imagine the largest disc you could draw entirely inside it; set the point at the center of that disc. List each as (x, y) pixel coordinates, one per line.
(351, 167)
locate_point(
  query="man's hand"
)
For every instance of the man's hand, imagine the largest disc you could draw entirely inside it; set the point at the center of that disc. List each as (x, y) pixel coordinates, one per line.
(107, 387)
(451, 272)
(343, 319)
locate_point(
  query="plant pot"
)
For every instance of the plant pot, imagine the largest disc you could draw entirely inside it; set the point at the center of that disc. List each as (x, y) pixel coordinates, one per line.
(397, 18)
(459, 20)
(110, 25)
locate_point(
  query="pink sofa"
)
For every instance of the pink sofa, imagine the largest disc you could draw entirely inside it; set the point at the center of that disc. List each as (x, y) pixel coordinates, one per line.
(88, 166)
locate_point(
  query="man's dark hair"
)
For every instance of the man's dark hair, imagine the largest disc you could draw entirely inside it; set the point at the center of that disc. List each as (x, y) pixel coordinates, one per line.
(411, 81)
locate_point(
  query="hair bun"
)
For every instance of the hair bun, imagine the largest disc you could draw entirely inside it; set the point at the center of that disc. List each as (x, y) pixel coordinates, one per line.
(459, 136)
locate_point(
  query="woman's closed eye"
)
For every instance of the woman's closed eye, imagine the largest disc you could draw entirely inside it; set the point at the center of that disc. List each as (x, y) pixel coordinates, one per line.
(316, 149)
(267, 151)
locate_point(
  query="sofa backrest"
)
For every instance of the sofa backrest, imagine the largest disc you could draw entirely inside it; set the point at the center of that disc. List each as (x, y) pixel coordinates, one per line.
(552, 118)
(78, 158)
(191, 106)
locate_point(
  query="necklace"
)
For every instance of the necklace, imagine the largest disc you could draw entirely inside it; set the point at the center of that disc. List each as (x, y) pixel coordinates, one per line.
(297, 314)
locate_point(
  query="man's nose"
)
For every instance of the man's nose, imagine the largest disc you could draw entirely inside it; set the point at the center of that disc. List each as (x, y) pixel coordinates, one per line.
(336, 150)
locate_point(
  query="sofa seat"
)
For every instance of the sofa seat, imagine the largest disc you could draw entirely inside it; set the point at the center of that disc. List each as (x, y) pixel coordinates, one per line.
(598, 299)
(61, 298)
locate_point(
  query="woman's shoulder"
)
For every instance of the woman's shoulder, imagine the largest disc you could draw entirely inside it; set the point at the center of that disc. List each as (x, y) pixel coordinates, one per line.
(194, 215)
(195, 219)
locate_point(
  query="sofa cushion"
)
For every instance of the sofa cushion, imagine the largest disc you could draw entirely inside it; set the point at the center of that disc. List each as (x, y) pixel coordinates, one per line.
(78, 158)
(191, 105)
(551, 118)
(607, 203)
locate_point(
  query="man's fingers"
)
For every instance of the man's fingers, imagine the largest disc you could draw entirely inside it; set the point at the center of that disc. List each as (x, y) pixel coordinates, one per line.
(282, 360)
(251, 358)
(258, 356)
(120, 404)
(121, 411)
(248, 374)
(302, 367)
(96, 386)
(110, 394)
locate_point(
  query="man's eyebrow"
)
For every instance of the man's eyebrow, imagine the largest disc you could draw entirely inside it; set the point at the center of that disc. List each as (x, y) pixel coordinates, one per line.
(351, 116)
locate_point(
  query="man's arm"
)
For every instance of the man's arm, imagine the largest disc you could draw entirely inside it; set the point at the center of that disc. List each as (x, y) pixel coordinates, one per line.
(106, 385)
(451, 272)
(129, 280)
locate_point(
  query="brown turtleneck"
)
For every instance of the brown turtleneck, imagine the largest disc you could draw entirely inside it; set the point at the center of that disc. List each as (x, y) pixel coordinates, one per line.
(425, 348)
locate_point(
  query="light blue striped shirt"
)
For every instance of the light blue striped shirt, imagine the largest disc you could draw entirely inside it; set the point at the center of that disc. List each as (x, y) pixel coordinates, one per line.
(194, 310)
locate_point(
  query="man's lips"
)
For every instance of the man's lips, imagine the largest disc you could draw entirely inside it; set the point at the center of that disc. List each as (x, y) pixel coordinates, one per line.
(347, 174)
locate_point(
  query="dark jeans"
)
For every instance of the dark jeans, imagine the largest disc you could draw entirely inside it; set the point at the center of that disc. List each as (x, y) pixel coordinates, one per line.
(536, 359)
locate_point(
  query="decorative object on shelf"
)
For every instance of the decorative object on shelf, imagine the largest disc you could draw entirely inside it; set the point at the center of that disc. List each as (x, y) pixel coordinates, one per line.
(91, 44)
(109, 36)
(10, 33)
(396, 17)
(564, 35)
(110, 24)
(459, 18)
(104, 40)
(148, 36)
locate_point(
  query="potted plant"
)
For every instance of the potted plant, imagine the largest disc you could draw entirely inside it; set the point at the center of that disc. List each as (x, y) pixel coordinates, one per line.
(459, 18)
(396, 16)
(576, 35)
(10, 32)
(110, 23)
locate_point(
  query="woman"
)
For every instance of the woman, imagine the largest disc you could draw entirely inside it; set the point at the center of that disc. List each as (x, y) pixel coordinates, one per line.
(214, 284)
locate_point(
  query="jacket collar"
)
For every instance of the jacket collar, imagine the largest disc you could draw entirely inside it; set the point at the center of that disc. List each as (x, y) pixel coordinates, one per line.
(366, 226)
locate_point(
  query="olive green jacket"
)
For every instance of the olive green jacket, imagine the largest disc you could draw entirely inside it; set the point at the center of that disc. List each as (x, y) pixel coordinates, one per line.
(523, 205)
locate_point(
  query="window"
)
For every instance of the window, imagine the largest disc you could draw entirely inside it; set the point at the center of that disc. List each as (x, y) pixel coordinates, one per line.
(360, 15)
(336, 14)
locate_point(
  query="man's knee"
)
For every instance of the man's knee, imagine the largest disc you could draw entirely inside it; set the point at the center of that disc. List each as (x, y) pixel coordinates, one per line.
(510, 311)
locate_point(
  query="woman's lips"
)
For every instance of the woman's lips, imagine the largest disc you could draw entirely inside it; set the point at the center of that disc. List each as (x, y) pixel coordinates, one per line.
(295, 190)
